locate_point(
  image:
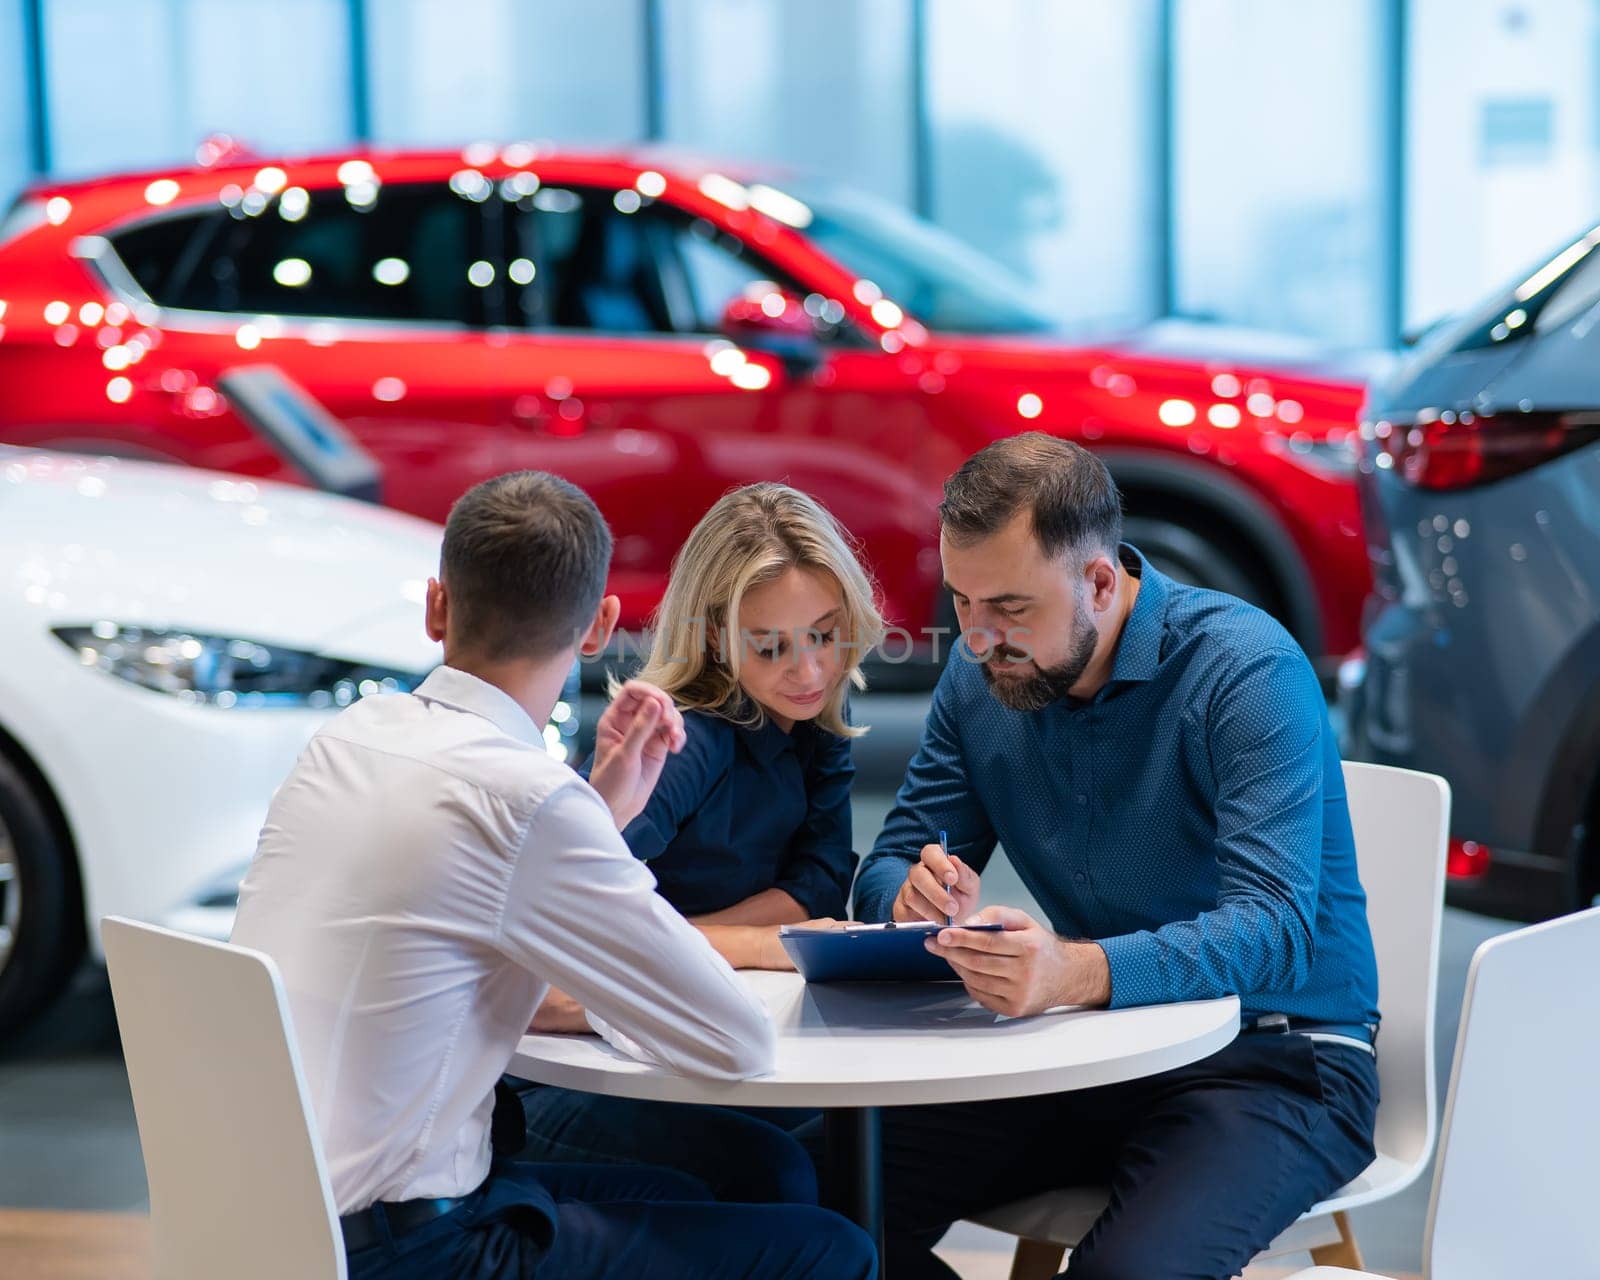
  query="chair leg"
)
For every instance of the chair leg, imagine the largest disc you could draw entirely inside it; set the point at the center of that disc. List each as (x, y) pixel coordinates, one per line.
(1346, 1253)
(1037, 1260)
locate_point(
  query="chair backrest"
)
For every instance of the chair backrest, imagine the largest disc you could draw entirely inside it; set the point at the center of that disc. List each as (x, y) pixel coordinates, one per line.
(1402, 821)
(1519, 1154)
(238, 1187)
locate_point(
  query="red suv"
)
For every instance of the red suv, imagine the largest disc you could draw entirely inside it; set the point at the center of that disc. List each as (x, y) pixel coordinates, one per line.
(657, 331)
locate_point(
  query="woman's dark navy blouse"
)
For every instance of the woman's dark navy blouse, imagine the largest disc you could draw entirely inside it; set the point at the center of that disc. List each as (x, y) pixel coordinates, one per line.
(739, 811)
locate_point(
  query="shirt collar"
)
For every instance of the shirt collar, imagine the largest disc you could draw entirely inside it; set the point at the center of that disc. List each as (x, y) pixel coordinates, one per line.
(452, 687)
(1139, 648)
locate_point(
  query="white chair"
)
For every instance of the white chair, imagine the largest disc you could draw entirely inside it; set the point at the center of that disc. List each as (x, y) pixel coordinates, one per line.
(237, 1182)
(1401, 820)
(1519, 1153)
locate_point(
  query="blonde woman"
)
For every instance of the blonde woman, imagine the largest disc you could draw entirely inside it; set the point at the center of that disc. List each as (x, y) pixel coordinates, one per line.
(758, 639)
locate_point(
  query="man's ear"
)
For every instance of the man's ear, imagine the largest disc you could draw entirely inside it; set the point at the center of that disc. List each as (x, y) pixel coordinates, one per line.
(598, 635)
(436, 615)
(1101, 576)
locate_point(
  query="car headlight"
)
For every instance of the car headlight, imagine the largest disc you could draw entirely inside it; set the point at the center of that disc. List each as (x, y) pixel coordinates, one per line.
(225, 671)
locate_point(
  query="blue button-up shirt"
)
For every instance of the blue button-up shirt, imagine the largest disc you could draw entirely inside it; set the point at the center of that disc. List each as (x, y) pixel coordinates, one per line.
(741, 810)
(1190, 817)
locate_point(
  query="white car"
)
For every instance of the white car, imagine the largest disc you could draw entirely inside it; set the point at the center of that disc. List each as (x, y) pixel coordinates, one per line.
(169, 640)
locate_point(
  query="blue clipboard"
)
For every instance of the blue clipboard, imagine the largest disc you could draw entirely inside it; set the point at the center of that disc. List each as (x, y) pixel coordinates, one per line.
(871, 953)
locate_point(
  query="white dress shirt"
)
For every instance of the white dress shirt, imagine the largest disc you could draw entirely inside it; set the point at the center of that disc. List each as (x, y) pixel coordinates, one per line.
(425, 873)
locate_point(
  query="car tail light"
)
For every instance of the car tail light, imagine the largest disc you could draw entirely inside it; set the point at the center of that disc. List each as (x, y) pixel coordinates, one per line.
(1458, 451)
(1467, 859)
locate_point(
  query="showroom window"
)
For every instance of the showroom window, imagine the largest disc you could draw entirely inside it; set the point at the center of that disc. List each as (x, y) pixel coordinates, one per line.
(140, 82)
(447, 72)
(1502, 144)
(820, 85)
(586, 258)
(1051, 166)
(413, 252)
(1278, 185)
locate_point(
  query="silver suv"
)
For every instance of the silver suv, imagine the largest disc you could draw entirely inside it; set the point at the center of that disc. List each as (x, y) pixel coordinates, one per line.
(1480, 490)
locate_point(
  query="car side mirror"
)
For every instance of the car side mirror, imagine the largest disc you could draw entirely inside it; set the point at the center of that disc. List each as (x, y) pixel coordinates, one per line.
(773, 320)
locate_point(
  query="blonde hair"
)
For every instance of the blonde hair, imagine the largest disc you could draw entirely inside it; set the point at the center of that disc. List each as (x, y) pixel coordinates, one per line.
(752, 536)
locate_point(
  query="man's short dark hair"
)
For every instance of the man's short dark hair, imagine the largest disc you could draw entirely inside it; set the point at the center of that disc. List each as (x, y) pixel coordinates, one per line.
(524, 562)
(1072, 502)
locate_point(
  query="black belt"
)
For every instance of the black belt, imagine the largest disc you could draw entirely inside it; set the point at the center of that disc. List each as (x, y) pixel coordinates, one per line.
(1282, 1024)
(365, 1227)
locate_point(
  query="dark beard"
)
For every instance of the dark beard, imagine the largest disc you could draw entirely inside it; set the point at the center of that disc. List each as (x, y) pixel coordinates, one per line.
(1047, 684)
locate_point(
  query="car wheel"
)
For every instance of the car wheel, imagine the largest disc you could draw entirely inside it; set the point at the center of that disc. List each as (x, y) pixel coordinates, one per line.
(1193, 558)
(41, 915)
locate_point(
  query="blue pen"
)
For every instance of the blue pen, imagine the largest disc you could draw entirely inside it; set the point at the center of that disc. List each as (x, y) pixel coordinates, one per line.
(944, 848)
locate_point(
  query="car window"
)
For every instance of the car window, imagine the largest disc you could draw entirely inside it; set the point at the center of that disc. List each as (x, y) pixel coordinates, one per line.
(409, 252)
(590, 258)
(162, 250)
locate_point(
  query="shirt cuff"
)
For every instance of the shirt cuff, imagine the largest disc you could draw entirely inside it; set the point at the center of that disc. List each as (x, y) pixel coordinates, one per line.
(1137, 975)
(816, 900)
(613, 1037)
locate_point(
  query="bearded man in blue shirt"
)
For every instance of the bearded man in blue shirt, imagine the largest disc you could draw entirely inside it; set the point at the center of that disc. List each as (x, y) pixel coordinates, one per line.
(1157, 761)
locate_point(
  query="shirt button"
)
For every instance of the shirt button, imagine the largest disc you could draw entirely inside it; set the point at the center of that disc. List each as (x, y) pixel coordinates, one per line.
(1078, 877)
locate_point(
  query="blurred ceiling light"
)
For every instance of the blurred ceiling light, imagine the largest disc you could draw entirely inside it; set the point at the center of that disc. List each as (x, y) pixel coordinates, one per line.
(293, 204)
(774, 304)
(1261, 404)
(56, 312)
(887, 313)
(1176, 413)
(90, 313)
(521, 271)
(1226, 416)
(477, 154)
(557, 200)
(57, 209)
(1225, 385)
(161, 191)
(292, 273)
(354, 172)
(388, 390)
(650, 183)
(725, 191)
(627, 200)
(116, 313)
(1029, 405)
(1290, 411)
(471, 185)
(119, 390)
(248, 337)
(780, 206)
(519, 184)
(253, 203)
(116, 358)
(867, 292)
(391, 271)
(518, 154)
(725, 361)
(481, 273)
(361, 195)
(271, 179)
(751, 377)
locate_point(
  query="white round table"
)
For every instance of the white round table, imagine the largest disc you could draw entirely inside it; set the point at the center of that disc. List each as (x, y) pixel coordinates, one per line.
(855, 1047)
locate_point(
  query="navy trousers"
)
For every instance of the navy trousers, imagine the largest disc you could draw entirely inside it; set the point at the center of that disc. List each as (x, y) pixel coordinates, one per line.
(1206, 1164)
(618, 1223)
(741, 1156)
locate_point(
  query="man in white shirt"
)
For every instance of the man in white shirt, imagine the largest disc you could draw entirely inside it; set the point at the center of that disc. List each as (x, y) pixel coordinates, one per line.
(428, 871)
